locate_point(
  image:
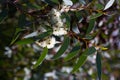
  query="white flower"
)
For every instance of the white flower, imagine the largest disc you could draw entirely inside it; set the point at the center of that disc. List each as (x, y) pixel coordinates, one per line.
(8, 52)
(49, 43)
(56, 13)
(65, 9)
(66, 5)
(59, 31)
(59, 24)
(68, 2)
(27, 74)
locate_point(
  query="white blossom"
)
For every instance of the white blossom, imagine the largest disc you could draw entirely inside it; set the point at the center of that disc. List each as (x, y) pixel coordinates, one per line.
(59, 31)
(68, 2)
(49, 43)
(27, 74)
(65, 9)
(59, 24)
(8, 52)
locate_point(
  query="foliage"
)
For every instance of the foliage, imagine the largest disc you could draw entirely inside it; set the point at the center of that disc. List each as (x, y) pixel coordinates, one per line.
(41, 36)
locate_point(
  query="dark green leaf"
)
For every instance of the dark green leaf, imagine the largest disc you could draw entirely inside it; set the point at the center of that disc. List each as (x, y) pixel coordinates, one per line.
(3, 15)
(96, 15)
(91, 26)
(89, 51)
(79, 63)
(25, 41)
(16, 35)
(34, 6)
(52, 2)
(73, 52)
(89, 37)
(55, 1)
(98, 65)
(41, 58)
(99, 6)
(63, 48)
(43, 35)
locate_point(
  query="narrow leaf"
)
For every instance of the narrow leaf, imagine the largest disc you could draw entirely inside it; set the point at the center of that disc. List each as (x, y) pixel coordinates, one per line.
(73, 52)
(63, 48)
(41, 58)
(96, 15)
(98, 65)
(109, 4)
(25, 41)
(91, 26)
(43, 35)
(79, 63)
(89, 51)
(55, 1)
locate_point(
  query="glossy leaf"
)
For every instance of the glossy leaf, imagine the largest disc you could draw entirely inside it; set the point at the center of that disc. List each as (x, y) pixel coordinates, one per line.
(96, 15)
(91, 26)
(109, 4)
(98, 65)
(73, 52)
(79, 63)
(41, 58)
(63, 48)
(89, 51)
(3, 15)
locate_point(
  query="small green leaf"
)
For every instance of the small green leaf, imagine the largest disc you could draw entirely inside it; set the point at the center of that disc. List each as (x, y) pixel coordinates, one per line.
(25, 41)
(96, 15)
(63, 48)
(43, 35)
(89, 51)
(16, 35)
(41, 58)
(89, 37)
(73, 52)
(55, 1)
(91, 26)
(3, 15)
(79, 63)
(99, 6)
(52, 2)
(98, 65)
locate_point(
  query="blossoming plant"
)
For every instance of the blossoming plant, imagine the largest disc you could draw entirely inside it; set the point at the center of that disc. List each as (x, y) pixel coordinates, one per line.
(63, 30)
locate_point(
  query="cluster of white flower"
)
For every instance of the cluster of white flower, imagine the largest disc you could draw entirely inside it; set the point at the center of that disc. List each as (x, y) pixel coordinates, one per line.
(58, 30)
(57, 24)
(58, 27)
(49, 42)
